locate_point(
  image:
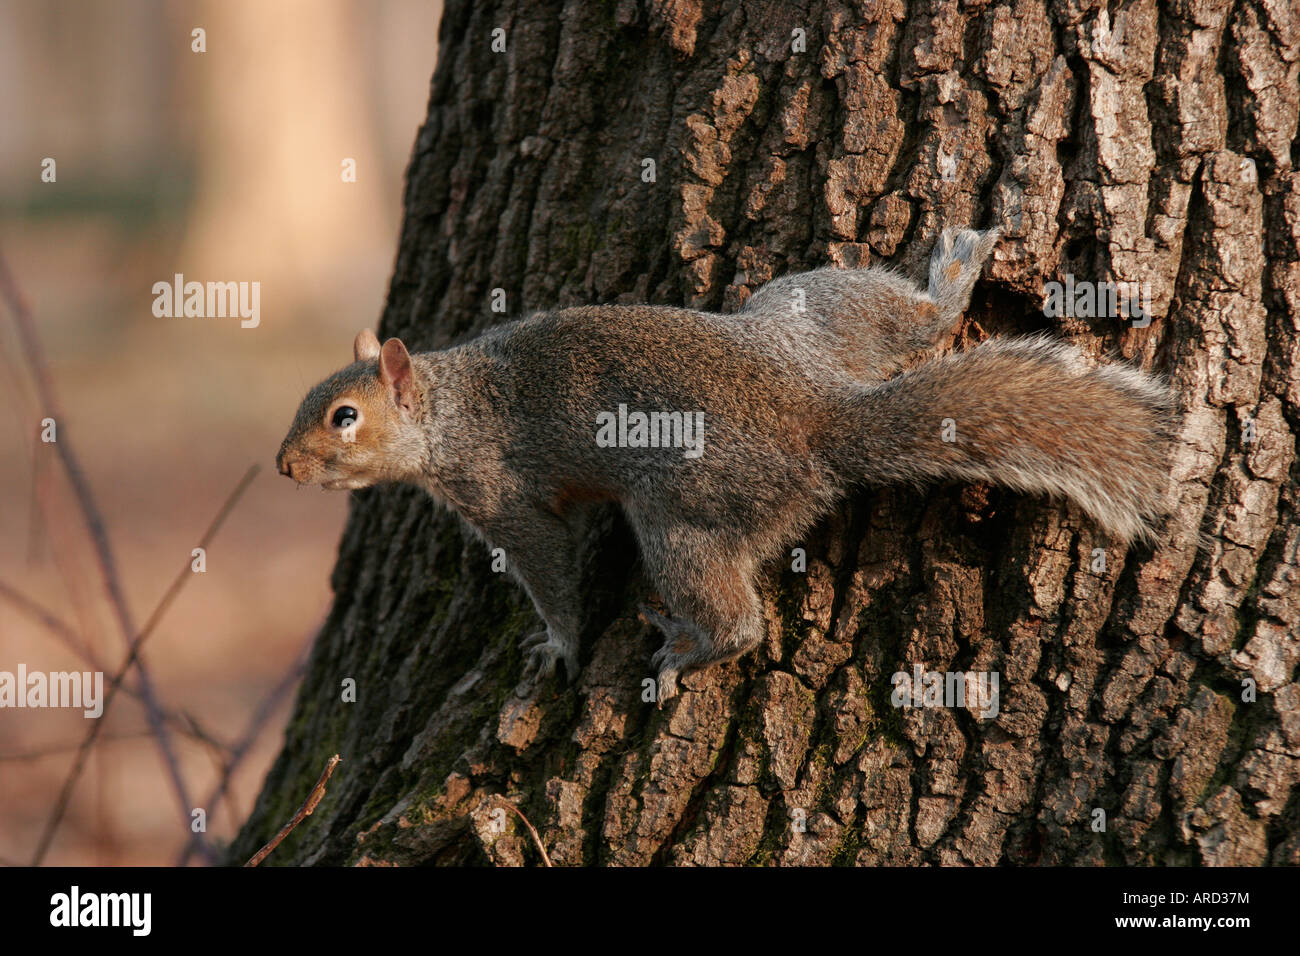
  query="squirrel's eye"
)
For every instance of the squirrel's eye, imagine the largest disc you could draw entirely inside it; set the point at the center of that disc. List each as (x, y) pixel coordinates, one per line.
(344, 416)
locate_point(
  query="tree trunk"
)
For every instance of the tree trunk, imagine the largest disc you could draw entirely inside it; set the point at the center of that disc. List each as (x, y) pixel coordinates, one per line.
(1149, 710)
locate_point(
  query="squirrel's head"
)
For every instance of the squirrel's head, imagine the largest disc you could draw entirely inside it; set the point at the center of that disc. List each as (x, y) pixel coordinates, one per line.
(362, 425)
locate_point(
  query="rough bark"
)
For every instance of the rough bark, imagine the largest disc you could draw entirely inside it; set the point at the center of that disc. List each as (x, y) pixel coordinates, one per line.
(1145, 141)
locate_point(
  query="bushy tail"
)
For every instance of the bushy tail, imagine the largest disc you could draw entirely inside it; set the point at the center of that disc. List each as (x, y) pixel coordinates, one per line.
(1031, 414)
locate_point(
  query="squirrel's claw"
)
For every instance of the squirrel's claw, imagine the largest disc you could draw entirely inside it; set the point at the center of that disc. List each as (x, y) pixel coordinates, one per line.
(668, 661)
(665, 686)
(533, 640)
(543, 653)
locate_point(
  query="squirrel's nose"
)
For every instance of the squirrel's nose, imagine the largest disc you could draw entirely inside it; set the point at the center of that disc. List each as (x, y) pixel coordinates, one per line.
(286, 467)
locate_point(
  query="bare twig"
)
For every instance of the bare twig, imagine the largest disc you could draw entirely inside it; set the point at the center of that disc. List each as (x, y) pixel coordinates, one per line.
(65, 795)
(51, 622)
(245, 743)
(304, 811)
(13, 378)
(531, 829)
(40, 369)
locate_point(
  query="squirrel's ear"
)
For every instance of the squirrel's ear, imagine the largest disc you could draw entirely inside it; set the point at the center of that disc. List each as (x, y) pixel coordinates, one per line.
(395, 373)
(366, 347)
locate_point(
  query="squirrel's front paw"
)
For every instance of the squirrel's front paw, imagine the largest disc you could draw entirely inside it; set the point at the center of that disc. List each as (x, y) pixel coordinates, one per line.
(544, 651)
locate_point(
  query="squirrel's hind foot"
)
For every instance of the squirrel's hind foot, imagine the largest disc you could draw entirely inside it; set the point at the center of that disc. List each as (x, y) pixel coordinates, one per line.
(684, 646)
(544, 650)
(956, 262)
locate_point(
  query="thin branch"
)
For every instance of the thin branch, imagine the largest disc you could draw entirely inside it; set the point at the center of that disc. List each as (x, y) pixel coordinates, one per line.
(304, 811)
(90, 512)
(245, 743)
(531, 829)
(65, 795)
(51, 622)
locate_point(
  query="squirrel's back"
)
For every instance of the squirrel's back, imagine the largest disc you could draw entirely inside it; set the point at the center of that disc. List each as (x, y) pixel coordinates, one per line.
(554, 377)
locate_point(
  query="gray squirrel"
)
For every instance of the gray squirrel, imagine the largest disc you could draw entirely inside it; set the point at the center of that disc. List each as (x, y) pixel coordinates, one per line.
(723, 438)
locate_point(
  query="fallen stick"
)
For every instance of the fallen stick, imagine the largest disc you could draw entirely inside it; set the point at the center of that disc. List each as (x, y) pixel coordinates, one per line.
(303, 813)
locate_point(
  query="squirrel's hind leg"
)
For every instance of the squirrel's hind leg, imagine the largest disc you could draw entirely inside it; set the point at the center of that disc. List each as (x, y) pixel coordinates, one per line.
(540, 553)
(921, 319)
(955, 264)
(717, 613)
(914, 321)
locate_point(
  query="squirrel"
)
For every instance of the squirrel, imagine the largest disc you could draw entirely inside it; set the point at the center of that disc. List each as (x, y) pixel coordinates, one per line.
(723, 438)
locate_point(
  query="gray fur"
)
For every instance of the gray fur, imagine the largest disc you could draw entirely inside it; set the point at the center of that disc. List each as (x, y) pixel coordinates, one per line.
(800, 407)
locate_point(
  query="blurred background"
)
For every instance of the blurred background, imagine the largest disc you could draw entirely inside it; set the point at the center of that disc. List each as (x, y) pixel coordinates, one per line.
(224, 165)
